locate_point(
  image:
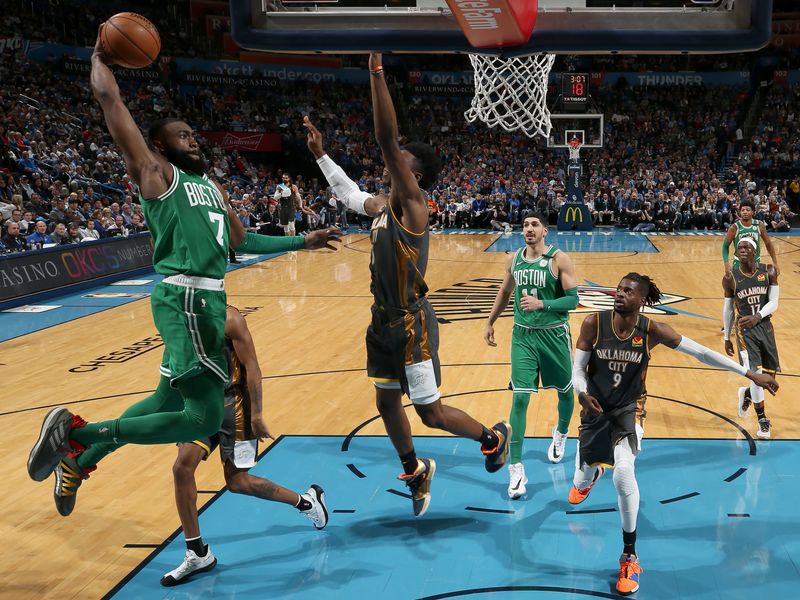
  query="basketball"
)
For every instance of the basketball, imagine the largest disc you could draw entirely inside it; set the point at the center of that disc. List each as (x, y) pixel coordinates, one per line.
(130, 40)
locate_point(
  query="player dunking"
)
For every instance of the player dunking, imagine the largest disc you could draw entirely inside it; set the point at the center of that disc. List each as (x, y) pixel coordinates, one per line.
(191, 224)
(242, 427)
(542, 279)
(747, 226)
(754, 294)
(609, 372)
(403, 337)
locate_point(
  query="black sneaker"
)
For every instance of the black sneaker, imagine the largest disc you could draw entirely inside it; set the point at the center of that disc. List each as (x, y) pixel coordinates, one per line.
(496, 457)
(52, 445)
(744, 401)
(764, 428)
(69, 477)
(419, 484)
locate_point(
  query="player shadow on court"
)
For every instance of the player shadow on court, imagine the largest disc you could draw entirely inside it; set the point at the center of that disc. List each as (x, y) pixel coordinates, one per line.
(404, 527)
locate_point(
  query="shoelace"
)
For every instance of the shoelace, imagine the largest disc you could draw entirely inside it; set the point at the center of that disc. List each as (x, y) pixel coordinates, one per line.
(629, 568)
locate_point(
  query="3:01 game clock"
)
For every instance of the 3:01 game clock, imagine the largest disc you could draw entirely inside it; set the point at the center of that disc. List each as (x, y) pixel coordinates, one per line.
(575, 90)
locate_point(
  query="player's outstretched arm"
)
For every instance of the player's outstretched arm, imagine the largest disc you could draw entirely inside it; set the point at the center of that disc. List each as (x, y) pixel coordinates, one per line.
(146, 169)
(345, 188)
(661, 333)
(500, 302)
(405, 187)
(236, 330)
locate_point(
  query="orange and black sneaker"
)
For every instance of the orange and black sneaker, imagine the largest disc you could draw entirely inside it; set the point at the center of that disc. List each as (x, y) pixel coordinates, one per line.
(496, 457)
(419, 484)
(577, 496)
(629, 571)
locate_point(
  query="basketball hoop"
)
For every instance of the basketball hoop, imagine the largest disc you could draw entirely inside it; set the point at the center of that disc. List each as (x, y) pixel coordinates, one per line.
(574, 148)
(512, 93)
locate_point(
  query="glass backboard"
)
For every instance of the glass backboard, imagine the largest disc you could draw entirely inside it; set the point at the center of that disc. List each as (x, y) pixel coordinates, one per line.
(562, 26)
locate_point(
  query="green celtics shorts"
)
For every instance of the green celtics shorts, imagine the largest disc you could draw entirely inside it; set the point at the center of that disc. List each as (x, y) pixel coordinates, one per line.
(191, 322)
(544, 354)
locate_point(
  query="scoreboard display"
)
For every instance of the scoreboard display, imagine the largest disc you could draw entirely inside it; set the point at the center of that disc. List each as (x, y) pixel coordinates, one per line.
(575, 91)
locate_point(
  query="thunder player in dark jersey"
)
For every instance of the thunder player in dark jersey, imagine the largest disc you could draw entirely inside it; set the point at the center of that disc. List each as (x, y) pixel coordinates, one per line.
(608, 374)
(242, 427)
(753, 292)
(403, 337)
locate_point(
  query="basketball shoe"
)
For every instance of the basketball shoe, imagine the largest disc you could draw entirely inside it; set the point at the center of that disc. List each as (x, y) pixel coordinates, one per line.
(496, 457)
(53, 443)
(629, 571)
(318, 513)
(69, 477)
(516, 481)
(556, 450)
(419, 484)
(191, 565)
(744, 401)
(764, 428)
(577, 496)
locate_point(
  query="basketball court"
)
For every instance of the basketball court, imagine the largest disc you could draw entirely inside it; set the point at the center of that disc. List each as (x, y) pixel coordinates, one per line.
(716, 518)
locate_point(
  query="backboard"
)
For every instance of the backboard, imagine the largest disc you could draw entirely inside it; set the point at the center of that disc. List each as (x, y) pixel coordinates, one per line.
(561, 26)
(588, 128)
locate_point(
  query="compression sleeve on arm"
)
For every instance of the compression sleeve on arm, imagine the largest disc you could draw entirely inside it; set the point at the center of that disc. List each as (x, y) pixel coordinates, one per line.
(725, 248)
(345, 188)
(727, 318)
(771, 306)
(563, 304)
(579, 364)
(269, 244)
(709, 357)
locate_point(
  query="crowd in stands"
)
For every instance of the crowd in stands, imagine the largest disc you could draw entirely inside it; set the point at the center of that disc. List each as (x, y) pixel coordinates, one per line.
(63, 181)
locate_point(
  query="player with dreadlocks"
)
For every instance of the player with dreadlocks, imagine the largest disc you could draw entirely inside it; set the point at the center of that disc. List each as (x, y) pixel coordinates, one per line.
(608, 375)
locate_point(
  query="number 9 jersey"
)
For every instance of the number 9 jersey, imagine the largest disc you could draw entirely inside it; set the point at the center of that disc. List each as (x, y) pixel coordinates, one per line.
(618, 367)
(190, 227)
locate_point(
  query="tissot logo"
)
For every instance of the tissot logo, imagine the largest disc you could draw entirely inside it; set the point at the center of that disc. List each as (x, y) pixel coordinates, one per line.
(134, 350)
(473, 300)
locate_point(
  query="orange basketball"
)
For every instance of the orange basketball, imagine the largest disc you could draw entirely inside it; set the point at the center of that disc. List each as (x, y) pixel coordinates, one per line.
(130, 40)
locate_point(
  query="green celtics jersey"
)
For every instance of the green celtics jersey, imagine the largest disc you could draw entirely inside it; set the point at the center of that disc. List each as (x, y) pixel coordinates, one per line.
(752, 231)
(190, 227)
(535, 278)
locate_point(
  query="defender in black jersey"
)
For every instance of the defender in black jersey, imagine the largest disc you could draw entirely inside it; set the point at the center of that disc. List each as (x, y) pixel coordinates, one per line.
(609, 373)
(751, 296)
(242, 428)
(403, 336)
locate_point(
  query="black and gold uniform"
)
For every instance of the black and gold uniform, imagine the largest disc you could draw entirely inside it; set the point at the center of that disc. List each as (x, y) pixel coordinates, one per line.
(616, 378)
(235, 438)
(403, 337)
(757, 347)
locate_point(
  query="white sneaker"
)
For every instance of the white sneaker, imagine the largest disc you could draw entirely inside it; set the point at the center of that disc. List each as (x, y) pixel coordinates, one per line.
(764, 428)
(744, 402)
(556, 450)
(191, 564)
(516, 480)
(318, 513)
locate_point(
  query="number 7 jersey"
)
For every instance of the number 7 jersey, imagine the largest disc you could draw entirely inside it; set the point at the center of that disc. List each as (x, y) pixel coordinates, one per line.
(190, 227)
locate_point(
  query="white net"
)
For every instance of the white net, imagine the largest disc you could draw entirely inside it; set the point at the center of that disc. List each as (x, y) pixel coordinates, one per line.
(574, 149)
(512, 92)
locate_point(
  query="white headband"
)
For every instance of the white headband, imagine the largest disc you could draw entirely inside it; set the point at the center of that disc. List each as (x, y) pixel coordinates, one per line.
(747, 239)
